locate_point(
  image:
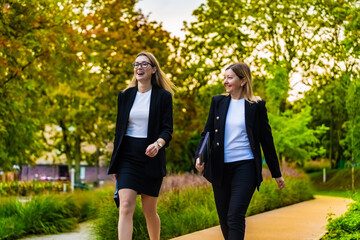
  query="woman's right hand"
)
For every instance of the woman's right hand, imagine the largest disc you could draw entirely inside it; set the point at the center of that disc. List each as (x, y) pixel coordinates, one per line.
(198, 166)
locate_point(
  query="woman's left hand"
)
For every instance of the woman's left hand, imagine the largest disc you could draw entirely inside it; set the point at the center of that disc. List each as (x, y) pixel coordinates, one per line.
(280, 182)
(152, 150)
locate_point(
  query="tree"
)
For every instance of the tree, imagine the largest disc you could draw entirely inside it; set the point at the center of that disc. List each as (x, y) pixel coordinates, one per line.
(352, 127)
(28, 45)
(336, 64)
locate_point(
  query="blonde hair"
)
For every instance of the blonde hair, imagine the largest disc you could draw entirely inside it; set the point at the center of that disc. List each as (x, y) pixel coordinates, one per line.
(242, 70)
(158, 78)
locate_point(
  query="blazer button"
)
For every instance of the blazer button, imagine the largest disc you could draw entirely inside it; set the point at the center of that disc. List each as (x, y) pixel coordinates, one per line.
(217, 118)
(217, 144)
(216, 130)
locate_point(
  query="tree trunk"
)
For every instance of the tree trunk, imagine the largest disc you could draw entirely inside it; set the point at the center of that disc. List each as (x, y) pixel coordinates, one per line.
(331, 144)
(67, 146)
(77, 158)
(352, 161)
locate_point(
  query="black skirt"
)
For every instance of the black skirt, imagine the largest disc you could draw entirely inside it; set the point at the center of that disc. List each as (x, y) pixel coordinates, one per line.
(132, 168)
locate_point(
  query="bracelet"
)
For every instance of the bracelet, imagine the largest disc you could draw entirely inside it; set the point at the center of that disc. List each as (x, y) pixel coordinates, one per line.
(159, 144)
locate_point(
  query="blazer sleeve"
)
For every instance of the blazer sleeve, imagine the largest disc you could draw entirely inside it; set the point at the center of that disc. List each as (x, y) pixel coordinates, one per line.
(209, 127)
(166, 119)
(267, 142)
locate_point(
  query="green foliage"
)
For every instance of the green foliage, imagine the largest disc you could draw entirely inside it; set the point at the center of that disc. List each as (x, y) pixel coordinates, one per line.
(352, 139)
(31, 41)
(192, 209)
(47, 214)
(347, 226)
(277, 87)
(294, 141)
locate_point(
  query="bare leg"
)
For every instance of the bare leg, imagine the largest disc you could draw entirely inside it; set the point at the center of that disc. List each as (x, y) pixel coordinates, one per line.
(149, 205)
(126, 212)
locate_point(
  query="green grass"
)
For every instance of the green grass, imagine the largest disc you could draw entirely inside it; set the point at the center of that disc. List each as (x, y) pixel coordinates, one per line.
(330, 193)
(337, 180)
(346, 227)
(192, 209)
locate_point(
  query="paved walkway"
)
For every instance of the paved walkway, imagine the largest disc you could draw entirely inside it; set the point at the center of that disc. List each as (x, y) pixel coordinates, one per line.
(302, 221)
(83, 232)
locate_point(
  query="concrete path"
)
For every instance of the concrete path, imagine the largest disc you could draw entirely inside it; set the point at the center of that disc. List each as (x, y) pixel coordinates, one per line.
(83, 232)
(302, 221)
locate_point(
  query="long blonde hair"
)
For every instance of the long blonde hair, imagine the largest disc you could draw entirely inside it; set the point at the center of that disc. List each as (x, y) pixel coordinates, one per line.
(242, 70)
(158, 79)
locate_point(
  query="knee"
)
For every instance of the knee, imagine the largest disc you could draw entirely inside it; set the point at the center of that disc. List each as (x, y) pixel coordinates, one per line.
(126, 208)
(236, 219)
(150, 213)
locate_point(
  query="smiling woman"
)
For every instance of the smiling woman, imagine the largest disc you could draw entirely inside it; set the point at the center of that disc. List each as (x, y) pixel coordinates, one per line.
(138, 160)
(238, 125)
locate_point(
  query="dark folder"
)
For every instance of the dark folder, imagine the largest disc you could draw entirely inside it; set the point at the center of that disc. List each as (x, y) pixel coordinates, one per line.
(204, 153)
(116, 195)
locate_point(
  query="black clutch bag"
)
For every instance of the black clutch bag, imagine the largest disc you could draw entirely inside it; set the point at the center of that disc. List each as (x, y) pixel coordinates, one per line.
(204, 153)
(116, 196)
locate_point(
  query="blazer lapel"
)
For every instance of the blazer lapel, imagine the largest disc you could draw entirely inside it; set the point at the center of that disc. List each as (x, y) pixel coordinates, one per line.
(223, 108)
(249, 120)
(152, 109)
(128, 105)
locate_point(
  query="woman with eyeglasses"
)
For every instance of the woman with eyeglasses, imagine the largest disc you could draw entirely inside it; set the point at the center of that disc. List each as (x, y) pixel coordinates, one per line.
(143, 130)
(238, 125)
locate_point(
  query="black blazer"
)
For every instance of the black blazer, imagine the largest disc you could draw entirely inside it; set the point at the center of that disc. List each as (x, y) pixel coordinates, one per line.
(160, 126)
(258, 131)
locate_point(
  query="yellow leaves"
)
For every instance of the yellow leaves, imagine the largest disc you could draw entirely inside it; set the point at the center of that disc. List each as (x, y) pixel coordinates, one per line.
(62, 89)
(66, 90)
(3, 62)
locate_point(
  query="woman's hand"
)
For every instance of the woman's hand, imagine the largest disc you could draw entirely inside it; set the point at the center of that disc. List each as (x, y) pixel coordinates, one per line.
(198, 166)
(152, 150)
(280, 182)
(115, 176)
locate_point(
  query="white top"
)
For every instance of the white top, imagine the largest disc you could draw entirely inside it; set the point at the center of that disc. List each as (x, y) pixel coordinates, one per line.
(236, 142)
(139, 116)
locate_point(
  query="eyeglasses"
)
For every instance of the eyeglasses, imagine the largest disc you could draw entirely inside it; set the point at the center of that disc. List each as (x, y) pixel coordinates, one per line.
(142, 65)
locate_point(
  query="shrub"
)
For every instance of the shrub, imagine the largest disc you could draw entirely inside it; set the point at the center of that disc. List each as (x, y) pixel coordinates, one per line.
(346, 227)
(269, 197)
(185, 210)
(26, 188)
(178, 213)
(316, 166)
(46, 214)
(50, 214)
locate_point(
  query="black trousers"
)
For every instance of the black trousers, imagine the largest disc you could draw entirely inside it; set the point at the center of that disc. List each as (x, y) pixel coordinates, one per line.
(233, 197)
